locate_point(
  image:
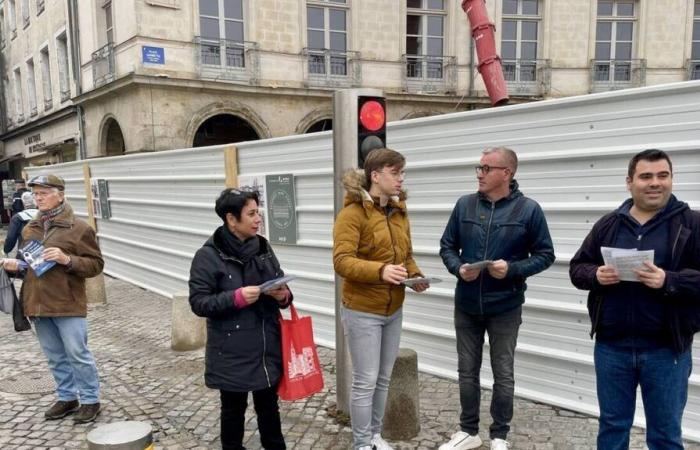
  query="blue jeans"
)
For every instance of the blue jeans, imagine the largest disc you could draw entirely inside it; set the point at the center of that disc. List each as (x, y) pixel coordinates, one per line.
(503, 335)
(373, 341)
(64, 342)
(663, 378)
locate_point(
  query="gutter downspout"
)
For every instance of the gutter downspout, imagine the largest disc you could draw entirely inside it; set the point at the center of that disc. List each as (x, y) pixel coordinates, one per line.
(471, 69)
(74, 27)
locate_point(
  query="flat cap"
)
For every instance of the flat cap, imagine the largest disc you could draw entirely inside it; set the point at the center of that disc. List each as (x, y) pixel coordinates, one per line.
(47, 181)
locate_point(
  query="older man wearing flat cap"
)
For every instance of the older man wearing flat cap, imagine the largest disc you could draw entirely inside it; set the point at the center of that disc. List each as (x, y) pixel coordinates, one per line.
(56, 300)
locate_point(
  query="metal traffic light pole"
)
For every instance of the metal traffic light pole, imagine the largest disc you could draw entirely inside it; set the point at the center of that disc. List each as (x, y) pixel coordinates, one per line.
(345, 156)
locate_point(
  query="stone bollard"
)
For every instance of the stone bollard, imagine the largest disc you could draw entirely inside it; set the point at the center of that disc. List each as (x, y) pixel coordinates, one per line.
(95, 288)
(189, 332)
(401, 418)
(121, 436)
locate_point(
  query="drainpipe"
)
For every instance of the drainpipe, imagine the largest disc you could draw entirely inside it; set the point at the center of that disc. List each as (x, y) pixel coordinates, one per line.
(471, 68)
(74, 31)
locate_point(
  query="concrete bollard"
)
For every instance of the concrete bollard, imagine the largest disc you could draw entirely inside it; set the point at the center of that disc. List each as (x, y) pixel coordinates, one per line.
(95, 289)
(121, 436)
(401, 418)
(189, 332)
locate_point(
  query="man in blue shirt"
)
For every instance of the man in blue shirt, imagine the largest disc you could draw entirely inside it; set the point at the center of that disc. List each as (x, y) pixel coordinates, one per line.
(644, 328)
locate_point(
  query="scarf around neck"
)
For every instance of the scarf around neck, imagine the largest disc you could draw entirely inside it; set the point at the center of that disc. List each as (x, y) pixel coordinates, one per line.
(47, 217)
(242, 250)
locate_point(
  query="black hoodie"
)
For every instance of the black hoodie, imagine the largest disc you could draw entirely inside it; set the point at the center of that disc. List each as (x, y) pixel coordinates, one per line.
(630, 313)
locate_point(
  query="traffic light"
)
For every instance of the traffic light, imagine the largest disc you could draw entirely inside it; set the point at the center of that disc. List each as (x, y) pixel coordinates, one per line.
(371, 126)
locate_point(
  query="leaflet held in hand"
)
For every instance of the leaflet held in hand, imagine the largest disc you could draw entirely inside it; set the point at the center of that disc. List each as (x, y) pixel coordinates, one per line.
(626, 260)
(32, 253)
(275, 283)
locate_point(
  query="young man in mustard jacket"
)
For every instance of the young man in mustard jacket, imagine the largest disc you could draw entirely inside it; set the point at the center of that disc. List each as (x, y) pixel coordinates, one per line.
(372, 252)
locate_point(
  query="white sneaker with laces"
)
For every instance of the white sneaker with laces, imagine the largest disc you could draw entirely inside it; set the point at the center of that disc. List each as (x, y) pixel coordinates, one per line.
(462, 441)
(499, 444)
(378, 443)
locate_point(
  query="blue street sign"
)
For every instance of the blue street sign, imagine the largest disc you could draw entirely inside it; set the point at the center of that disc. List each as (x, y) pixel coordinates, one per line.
(153, 55)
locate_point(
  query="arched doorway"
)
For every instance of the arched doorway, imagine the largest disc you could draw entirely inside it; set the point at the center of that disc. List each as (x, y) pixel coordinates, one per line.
(224, 129)
(321, 125)
(113, 139)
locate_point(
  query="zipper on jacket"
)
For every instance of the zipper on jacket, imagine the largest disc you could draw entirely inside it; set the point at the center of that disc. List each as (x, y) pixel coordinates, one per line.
(393, 248)
(675, 243)
(267, 375)
(486, 250)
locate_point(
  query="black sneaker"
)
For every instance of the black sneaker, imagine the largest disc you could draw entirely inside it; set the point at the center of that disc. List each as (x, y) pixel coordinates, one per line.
(87, 413)
(61, 409)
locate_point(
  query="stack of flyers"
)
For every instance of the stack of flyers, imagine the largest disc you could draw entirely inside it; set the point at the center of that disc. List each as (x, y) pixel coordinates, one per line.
(32, 254)
(277, 282)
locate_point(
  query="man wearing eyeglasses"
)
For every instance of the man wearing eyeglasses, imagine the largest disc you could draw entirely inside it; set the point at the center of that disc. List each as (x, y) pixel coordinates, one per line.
(494, 239)
(56, 300)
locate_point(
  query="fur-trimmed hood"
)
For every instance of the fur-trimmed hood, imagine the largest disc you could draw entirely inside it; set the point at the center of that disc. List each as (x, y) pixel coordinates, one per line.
(356, 190)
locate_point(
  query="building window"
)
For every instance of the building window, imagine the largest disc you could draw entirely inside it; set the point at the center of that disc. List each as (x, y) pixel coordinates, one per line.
(12, 17)
(2, 27)
(31, 87)
(519, 40)
(327, 37)
(221, 28)
(109, 27)
(19, 106)
(46, 78)
(694, 66)
(425, 35)
(614, 44)
(63, 73)
(39, 6)
(25, 13)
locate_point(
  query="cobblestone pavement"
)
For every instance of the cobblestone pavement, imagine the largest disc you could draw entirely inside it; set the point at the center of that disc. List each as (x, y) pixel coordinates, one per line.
(142, 379)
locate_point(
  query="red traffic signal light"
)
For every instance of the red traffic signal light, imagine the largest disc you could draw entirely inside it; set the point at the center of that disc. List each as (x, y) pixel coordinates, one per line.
(371, 126)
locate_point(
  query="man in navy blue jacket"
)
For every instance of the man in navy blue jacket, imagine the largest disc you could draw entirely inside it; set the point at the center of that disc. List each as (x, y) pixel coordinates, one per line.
(500, 225)
(644, 329)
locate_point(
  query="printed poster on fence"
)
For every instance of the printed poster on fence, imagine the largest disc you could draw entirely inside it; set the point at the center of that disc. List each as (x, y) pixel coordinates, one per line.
(257, 183)
(281, 209)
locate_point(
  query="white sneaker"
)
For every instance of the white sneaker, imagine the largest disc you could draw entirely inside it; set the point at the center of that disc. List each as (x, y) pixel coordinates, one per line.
(462, 441)
(499, 444)
(378, 443)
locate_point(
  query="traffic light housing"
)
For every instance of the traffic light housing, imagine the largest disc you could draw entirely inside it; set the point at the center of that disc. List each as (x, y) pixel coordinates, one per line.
(371, 126)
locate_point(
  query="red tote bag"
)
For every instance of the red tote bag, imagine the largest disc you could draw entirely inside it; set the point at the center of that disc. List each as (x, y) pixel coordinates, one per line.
(302, 375)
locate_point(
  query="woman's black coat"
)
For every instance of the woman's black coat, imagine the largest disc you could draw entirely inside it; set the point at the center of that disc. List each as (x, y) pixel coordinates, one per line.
(243, 351)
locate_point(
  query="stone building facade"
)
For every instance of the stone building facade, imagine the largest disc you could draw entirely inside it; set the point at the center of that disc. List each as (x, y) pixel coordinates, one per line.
(148, 75)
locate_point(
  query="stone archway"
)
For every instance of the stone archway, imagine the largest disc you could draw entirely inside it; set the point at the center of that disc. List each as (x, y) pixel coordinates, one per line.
(229, 108)
(224, 129)
(112, 141)
(321, 125)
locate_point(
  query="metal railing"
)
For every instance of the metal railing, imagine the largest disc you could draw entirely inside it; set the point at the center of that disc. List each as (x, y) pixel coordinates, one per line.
(102, 65)
(429, 74)
(223, 59)
(529, 77)
(330, 68)
(693, 66)
(608, 75)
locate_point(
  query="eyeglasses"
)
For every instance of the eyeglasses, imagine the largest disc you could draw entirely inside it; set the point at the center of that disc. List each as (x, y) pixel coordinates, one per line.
(42, 194)
(395, 174)
(485, 169)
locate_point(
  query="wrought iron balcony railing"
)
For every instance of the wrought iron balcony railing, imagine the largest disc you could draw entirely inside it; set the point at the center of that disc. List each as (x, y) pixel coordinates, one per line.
(102, 66)
(429, 74)
(608, 75)
(330, 68)
(529, 77)
(693, 66)
(223, 59)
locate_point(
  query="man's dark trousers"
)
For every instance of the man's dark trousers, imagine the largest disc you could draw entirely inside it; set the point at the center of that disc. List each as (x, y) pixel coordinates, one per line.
(502, 330)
